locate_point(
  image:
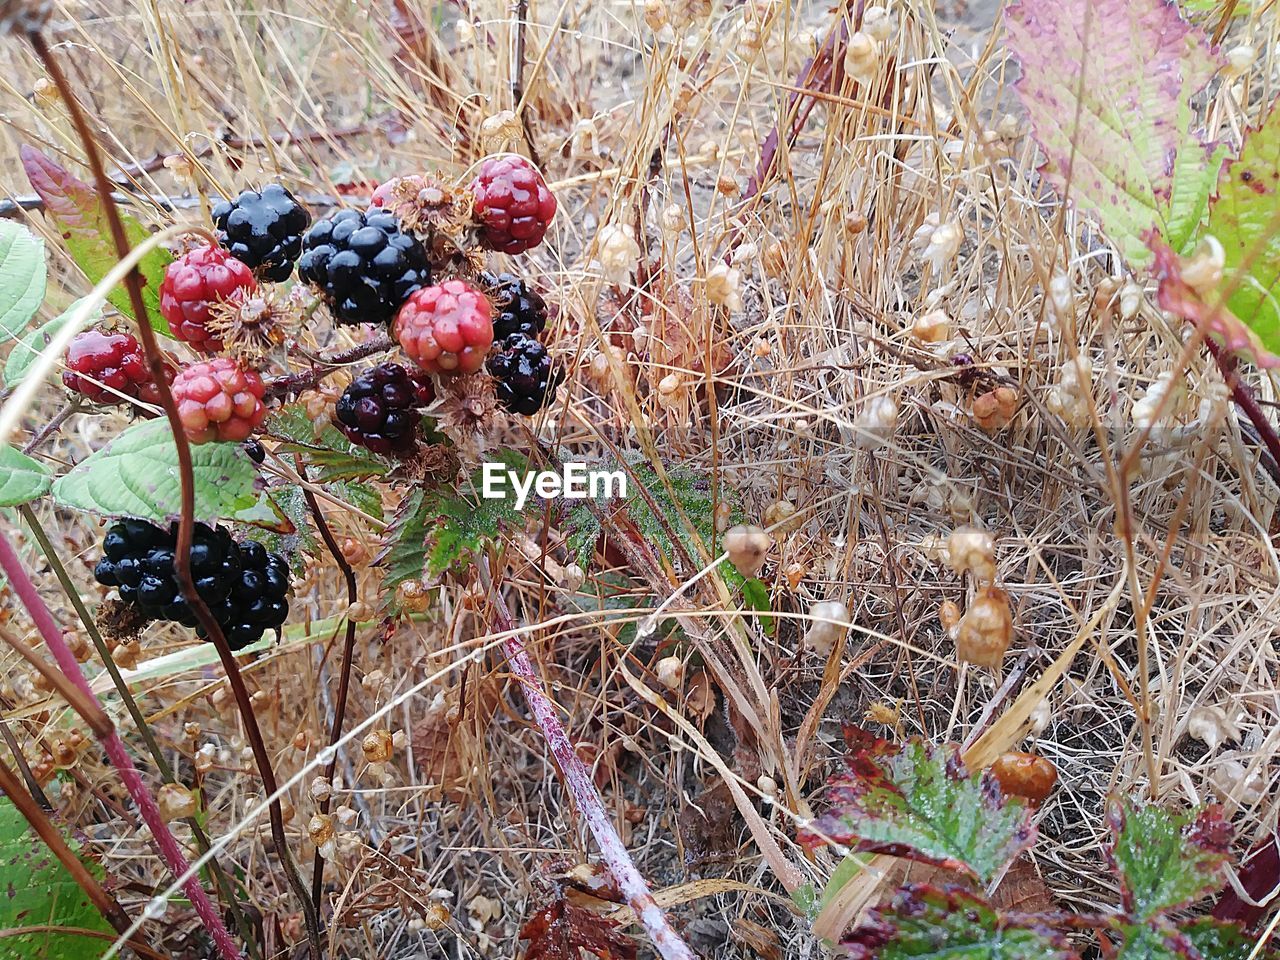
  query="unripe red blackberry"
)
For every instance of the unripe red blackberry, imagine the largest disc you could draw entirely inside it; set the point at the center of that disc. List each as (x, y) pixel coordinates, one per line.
(524, 380)
(106, 367)
(513, 204)
(379, 409)
(192, 284)
(446, 329)
(219, 399)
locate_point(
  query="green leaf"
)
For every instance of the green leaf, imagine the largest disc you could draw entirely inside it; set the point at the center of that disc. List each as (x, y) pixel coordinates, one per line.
(922, 922)
(76, 209)
(38, 891)
(27, 350)
(404, 547)
(1164, 860)
(296, 544)
(136, 475)
(1195, 174)
(922, 804)
(1245, 219)
(1108, 86)
(21, 478)
(849, 867)
(363, 497)
(1218, 940)
(756, 596)
(329, 456)
(22, 277)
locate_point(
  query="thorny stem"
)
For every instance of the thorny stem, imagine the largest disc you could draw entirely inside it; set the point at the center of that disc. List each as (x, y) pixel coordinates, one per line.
(73, 686)
(297, 382)
(47, 832)
(344, 677)
(1248, 403)
(52, 427)
(186, 522)
(577, 780)
(131, 704)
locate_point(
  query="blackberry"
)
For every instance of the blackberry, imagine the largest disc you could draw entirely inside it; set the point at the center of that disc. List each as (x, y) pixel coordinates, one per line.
(256, 451)
(363, 264)
(525, 382)
(243, 586)
(517, 308)
(379, 409)
(263, 228)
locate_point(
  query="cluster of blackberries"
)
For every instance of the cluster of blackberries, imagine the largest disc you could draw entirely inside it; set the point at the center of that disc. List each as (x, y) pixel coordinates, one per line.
(244, 587)
(521, 367)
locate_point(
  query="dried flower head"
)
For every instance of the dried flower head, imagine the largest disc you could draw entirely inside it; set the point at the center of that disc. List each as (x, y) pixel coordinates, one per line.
(466, 412)
(994, 409)
(827, 628)
(985, 631)
(876, 423)
(747, 548)
(862, 56)
(724, 286)
(176, 802)
(499, 130)
(252, 323)
(970, 550)
(437, 213)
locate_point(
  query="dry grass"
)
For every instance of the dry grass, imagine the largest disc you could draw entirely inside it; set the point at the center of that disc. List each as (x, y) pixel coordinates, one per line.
(831, 282)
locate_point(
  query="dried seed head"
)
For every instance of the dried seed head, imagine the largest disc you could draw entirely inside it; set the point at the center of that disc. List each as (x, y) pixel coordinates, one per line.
(436, 916)
(1237, 782)
(970, 550)
(827, 628)
(1131, 295)
(320, 830)
(747, 548)
(204, 758)
(939, 243)
(985, 631)
(1202, 271)
(949, 616)
(1025, 775)
(176, 802)
(862, 57)
(855, 223)
(1041, 714)
(618, 252)
(673, 220)
(994, 409)
(573, 578)
(1060, 294)
(377, 747)
(45, 92)
(794, 574)
(500, 130)
(586, 139)
(126, 655)
(876, 423)
(932, 327)
(669, 385)
(354, 552)
(1211, 726)
(360, 612)
(321, 789)
(465, 31)
(780, 517)
(413, 595)
(301, 740)
(1153, 401)
(775, 259)
(670, 672)
(1239, 59)
(724, 513)
(656, 15)
(180, 165)
(63, 752)
(724, 286)
(878, 22)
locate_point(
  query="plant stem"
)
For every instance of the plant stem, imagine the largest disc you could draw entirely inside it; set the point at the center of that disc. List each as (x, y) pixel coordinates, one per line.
(344, 677)
(47, 832)
(577, 780)
(297, 382)
(69, 681)
(225, 887)
(1247, 402)
(186, 522)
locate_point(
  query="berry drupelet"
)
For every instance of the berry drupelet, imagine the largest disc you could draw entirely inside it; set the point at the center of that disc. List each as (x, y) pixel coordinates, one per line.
(263, 229)
(446, 329)
(363, 264)
(524, 380)
(106, 368)
(219, 399)
(192, 284)
(244, 587)
(518, 308)
(513, 205)
(379, 408)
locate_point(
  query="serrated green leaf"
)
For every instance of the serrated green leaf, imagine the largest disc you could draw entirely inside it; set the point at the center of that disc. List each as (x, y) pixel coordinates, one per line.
(329, 456)
(77, 210)
(136, 475)
(922, 922)
(297, 544)
(922, 804)
(363, 497)
(403, 555)
(1195, 174)
(22, 277)
(1108, 86)
(1245, 219)
(21, 478)
(38, 891)
(1218, 940)
(1164, 860)
(27, 350)
(756, 596)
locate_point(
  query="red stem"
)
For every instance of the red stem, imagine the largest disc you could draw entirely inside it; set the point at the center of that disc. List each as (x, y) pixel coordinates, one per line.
(1247, 402)
(577, 780)
(29, 596)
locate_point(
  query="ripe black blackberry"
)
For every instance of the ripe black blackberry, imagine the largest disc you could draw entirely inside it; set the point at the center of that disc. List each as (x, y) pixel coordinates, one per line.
(524, 380)
(363, 264)
(379, 409)
(243, 586)
(518, 308)
(263, 228)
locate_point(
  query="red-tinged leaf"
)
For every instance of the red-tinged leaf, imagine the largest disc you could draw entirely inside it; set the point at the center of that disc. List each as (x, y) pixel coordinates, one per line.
(560, 931)
(1166, 861)
(923, 805)
(1259, 875)
(74, 206)
(1108, 85)
(922, 922)
(1178, 297)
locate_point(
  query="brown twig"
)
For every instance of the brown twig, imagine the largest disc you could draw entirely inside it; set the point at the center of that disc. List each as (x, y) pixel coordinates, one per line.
(344, 677)
(295, 383)
(186, 522)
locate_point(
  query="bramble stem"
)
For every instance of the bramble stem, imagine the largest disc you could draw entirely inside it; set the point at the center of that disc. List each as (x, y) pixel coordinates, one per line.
(76, 690)
(186, 523)
(577, 780)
